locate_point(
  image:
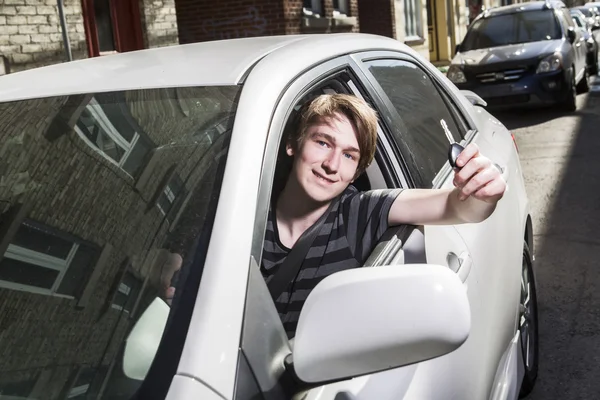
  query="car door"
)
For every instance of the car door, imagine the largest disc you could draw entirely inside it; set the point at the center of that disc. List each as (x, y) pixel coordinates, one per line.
(440, 245)
(263, 338)
(425, 121)
(579, 47)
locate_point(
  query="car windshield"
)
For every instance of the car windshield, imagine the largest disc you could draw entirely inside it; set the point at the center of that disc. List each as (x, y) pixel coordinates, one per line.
(520, 27)
(107, 203)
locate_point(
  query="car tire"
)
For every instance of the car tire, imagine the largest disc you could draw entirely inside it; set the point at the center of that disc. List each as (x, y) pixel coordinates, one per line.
(584, 84)
(594, 67)
(569, 104)
(528, 324)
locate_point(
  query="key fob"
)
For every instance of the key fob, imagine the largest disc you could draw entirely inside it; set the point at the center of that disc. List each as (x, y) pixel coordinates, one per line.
(453, 152)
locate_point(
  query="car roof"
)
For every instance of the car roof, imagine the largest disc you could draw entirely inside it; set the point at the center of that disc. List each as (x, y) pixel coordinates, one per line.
(223, 62)
(520, 7)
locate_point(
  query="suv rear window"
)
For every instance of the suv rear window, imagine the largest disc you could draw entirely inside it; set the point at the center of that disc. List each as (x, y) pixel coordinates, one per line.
(519, 27)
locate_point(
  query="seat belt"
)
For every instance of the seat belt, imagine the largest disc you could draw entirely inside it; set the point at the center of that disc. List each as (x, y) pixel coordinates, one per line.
(288, 270)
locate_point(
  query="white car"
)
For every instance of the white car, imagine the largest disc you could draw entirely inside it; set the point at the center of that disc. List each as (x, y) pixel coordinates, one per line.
(119, 170)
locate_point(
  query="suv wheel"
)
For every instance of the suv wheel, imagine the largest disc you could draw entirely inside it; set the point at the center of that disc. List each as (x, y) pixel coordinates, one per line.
(584, 84)
(569, 104)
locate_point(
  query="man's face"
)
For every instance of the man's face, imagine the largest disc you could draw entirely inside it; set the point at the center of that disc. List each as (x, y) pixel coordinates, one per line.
(326, 161)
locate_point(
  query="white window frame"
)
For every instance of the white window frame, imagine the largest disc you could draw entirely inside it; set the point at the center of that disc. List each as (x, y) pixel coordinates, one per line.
(40, 260)
(316, 9)
(126, 290)
(170, 196)
(343, 9)
(94, 108)
(78, 390)
(413, 20)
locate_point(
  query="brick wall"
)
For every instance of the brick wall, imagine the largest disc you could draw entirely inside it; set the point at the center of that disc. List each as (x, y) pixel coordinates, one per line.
(30, 33)
(377, 17)
(204, 20)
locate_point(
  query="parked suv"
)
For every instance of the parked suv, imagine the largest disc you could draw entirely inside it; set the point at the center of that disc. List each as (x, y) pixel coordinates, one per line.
(523, 54)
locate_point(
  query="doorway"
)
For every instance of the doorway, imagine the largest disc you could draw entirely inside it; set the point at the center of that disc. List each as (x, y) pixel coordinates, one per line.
(112, 26)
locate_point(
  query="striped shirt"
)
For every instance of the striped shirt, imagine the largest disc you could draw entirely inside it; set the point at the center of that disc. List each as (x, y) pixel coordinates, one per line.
(350, 232)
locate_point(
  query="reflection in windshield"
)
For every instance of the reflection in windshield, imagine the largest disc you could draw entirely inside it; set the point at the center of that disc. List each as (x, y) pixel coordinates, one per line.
(98, 194)
(520, 27)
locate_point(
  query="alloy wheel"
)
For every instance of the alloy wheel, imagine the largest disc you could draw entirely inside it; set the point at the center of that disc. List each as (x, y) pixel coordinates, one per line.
(528, 322)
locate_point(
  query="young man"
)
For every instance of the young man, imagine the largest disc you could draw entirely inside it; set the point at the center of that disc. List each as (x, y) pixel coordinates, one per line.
(333, 144)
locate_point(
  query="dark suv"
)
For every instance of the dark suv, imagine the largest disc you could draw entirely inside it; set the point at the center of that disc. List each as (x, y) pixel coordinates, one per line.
(523, 54)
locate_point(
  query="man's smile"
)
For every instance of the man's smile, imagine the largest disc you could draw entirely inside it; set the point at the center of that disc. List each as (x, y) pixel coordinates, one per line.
(322, 178)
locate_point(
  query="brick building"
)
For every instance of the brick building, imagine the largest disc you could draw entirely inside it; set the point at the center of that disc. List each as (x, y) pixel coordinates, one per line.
(96, 195)
(31, 30)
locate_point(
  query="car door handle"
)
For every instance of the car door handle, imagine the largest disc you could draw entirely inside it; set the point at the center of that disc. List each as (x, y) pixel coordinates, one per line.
(460, 264)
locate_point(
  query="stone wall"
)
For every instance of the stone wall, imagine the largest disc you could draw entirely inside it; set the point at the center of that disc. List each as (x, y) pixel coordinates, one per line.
(31, 33)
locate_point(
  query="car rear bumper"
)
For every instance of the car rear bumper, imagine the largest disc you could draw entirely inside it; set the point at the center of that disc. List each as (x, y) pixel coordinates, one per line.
(529, 90)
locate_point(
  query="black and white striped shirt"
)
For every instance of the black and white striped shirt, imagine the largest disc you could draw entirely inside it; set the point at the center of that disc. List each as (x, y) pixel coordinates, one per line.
(350, 232)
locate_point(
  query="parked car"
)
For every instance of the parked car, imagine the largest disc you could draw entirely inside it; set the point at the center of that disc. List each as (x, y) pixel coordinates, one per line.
(119, 169)
(588, 37)
(523, 54)
(592, 13)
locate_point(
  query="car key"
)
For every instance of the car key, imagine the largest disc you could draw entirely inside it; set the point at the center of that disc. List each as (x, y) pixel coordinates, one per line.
(453, 152)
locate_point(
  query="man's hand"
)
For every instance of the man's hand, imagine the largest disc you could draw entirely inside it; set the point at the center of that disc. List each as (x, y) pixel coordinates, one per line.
(478, 177)
(172, 265)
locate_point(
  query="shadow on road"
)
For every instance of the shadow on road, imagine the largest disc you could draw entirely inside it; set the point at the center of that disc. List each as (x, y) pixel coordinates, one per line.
(519, 118)
(568, 258)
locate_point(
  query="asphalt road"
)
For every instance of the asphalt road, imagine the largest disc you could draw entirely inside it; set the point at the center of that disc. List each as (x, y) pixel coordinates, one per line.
(560, 155)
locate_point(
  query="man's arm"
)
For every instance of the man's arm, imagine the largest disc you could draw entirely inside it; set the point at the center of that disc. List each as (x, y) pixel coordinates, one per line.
(479, 186)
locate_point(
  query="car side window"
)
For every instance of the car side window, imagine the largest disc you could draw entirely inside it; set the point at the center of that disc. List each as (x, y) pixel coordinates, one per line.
(425, 122)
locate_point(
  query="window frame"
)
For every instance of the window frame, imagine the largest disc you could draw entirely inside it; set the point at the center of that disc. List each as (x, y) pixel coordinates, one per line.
(413, 20)
(100, 116)
(390, 115)
(343, 8)
(316, 9)
(42, 260)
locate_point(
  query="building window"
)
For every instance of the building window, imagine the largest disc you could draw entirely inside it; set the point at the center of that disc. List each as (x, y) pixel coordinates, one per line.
(106, 128)
(340, 8)
(312, 8)
(172, 191)
(127, 293)
(41, 260)
(81, 384)
(413, 26)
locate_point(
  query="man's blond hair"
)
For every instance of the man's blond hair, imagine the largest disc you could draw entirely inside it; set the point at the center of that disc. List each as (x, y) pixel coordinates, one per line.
(362, 117)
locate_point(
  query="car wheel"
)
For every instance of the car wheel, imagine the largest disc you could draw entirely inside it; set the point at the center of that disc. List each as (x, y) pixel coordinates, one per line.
(528, 324)
(569, 104)
(594, 66)
(584, 84)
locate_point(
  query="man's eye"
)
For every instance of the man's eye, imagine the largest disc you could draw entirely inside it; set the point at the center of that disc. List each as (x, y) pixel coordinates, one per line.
(321, 143)
(349, 156)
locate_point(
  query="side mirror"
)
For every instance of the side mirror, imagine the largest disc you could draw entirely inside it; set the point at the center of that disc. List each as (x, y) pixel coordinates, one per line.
(366, 320)
(571, 34)
(143, 340)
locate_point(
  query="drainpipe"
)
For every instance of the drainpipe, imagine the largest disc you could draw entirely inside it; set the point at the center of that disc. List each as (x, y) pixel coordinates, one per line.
(65, 34)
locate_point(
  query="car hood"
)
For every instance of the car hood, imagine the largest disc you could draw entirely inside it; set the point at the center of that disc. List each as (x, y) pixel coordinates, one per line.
(511, 53)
